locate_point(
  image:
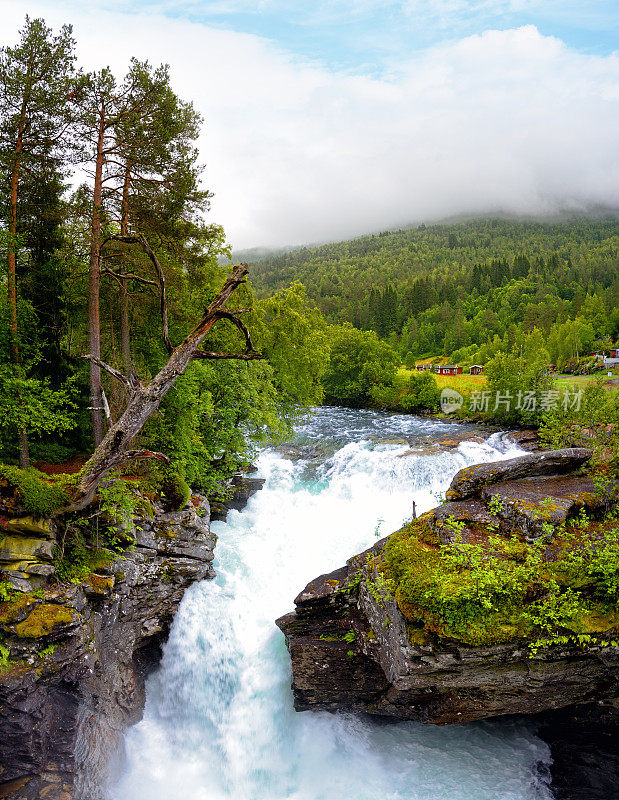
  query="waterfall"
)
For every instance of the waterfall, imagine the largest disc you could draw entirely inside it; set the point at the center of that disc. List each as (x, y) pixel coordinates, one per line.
(219, 722)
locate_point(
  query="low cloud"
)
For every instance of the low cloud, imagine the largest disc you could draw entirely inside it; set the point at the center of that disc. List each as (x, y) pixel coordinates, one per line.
(509, 121)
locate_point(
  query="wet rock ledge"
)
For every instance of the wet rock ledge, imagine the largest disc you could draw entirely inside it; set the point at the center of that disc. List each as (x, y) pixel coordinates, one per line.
(78, 653)
(356, 644)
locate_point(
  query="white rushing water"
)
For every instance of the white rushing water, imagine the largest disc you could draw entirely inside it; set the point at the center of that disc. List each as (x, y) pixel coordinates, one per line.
(219, 722)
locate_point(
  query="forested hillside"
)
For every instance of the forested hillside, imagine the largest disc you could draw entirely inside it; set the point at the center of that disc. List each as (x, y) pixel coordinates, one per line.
(449, 289)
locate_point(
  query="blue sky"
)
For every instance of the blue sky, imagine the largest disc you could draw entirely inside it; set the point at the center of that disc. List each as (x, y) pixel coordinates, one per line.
(372, 35)
(329, 119)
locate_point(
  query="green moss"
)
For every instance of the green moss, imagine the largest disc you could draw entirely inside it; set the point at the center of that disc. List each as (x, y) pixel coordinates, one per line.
(38, 494)
(12, 610)
(176, 491)
(499, 590)
(43, 620)
(100, 584)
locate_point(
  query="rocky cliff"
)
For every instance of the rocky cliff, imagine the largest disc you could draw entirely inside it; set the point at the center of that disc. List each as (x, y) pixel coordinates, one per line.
(370, 637)
(75, 654)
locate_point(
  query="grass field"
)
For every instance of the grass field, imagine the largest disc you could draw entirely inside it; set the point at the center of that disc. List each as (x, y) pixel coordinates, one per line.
(460, 382)
(575, 380)
(465, 384)
(478, 382)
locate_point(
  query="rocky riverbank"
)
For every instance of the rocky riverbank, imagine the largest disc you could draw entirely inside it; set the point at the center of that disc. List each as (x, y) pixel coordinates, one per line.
(366, 638)
(76, 654)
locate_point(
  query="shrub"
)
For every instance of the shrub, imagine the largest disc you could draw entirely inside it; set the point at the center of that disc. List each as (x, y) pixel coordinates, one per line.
(176, 491)
(423, 393)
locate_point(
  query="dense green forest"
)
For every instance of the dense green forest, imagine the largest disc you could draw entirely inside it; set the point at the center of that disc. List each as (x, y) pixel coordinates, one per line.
(450, 289)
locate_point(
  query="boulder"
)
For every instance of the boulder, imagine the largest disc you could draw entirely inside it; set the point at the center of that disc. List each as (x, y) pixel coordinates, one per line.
(470, 481)
(359, 643)
(536, 506)
(241, 489)
(339, 640)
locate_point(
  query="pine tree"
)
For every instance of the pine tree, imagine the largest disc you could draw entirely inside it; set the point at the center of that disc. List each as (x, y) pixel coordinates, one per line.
(123, 133)
(36, 78)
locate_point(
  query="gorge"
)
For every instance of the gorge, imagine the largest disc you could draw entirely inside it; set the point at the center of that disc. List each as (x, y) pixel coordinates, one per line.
(217, 715)
(219, 720)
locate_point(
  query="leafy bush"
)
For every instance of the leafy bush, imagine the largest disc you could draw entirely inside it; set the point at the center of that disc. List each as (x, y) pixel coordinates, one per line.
(176, 491)
(513, 376)
(594, 424)
(423, 393)
(75, 559)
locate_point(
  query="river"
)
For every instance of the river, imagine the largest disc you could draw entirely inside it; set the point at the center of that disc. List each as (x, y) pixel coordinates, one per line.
(219, 722)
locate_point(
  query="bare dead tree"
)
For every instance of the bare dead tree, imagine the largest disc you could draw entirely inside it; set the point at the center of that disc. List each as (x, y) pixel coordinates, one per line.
(145, 399)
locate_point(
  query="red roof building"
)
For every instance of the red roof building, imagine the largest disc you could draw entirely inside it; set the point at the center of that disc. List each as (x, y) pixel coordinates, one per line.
(448, 369)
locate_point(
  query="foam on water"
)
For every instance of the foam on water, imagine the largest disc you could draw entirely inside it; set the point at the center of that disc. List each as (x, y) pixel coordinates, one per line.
(219, 722)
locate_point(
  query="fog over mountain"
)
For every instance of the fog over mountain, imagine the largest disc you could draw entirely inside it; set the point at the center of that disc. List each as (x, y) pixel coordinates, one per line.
(297, 150)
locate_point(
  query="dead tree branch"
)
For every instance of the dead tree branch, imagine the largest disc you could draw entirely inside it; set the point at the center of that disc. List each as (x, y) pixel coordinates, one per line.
(128, 382)
(113, 450)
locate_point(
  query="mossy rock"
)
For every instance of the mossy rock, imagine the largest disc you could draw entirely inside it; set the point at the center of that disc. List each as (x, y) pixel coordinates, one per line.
(599, 620)
(98, 585)
(13, 611)
(42, 527)
(19, 548)
(29, 567)
(176, 491)
(45, 619)
(37, 493)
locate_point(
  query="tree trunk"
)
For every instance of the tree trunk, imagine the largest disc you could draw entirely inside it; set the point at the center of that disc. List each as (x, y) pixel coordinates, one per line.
(24, 456)
(125, 330)
(112, 452)
(125, 334)
(94, 325)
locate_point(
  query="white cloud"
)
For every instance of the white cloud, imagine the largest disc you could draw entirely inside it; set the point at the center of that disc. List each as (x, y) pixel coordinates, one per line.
(507, 120)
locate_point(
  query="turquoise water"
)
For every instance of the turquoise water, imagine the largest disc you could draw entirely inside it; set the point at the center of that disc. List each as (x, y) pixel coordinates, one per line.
(219, 722)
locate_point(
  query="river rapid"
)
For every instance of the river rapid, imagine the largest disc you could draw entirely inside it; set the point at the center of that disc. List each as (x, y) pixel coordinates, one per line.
(219, 722)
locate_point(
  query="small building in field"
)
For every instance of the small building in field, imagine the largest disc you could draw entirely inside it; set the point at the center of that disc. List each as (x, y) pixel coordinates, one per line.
(476, 369)
(614, 351)
(422, 367)
(448, 369)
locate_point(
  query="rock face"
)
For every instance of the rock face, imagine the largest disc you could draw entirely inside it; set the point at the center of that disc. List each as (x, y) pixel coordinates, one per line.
(26, 550)
(585, 757)
(79, 655)
(241, 488)
(352, 649)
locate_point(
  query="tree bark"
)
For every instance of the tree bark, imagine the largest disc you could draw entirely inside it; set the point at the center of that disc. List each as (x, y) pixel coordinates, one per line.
(94, 325)
(113, 450)
(125, 330)
(24, 456)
